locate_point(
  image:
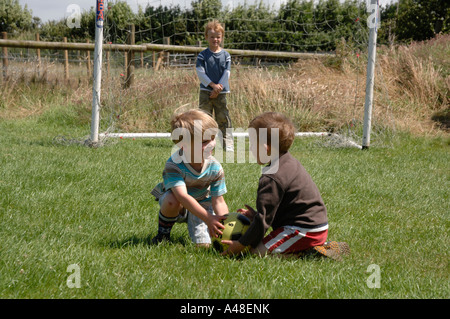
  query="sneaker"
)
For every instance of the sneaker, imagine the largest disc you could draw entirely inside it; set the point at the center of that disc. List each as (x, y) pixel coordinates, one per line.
(159, 238)
(333, 249)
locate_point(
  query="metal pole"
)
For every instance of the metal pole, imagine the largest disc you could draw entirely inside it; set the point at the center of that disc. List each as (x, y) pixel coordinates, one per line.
(372, 21)
(97, 72)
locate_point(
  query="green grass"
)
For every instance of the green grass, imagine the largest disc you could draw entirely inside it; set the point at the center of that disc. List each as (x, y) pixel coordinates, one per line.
(64, 203)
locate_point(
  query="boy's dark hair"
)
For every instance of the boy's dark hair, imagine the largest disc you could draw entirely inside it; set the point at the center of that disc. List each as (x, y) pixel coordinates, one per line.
(273, 120)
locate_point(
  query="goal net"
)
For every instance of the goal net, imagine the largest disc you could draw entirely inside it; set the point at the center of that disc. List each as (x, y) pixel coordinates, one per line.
(305, 59)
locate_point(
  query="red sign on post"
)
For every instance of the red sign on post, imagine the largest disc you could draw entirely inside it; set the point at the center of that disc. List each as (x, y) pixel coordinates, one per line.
(100, 13)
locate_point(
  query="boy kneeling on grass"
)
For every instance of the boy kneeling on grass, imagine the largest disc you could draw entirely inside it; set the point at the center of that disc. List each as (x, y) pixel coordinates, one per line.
(287, 200)
(193, 181)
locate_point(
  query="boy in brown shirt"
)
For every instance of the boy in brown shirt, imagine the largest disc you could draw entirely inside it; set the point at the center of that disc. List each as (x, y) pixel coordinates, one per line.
(288, 200)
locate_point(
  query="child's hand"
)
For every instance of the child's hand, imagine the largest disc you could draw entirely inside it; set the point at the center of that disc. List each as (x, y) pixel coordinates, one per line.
(234, 247)
(250, 213)
(214, 225)
(217, 88)
(213, 95)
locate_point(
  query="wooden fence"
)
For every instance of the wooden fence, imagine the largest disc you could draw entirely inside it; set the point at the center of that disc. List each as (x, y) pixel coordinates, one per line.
(161, 53)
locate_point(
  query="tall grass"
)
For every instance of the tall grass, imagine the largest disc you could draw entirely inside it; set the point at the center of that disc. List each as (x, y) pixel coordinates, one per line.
(416, 78)
(412, 86)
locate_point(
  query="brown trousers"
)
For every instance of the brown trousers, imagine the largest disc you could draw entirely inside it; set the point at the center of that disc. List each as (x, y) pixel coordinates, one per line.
(222, 116)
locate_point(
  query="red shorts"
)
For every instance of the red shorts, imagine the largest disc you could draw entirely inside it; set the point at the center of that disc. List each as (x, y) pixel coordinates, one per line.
(292, 239)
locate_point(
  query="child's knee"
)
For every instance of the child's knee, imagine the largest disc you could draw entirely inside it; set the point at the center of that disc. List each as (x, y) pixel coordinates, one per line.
(171, 203)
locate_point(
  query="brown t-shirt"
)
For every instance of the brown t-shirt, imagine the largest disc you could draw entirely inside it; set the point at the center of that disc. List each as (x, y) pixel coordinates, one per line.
(287, 197)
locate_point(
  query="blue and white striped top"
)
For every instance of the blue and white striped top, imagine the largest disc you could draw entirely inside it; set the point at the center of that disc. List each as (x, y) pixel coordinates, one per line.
(200, 185)
(213, 67)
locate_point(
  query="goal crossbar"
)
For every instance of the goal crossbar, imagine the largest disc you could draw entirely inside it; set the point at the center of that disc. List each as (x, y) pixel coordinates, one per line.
(235, 134)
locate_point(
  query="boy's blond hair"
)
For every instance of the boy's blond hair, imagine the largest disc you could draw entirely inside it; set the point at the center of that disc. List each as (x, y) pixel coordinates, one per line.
(196, 122)
(215, 26)
(273, 120)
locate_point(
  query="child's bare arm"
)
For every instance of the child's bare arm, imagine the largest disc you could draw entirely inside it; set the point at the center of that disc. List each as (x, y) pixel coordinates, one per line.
(189, 202)
(219, 205)
(234, 247)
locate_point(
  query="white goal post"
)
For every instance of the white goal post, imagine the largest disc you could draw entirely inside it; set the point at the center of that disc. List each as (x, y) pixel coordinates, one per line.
(98, 52)
(372, 22)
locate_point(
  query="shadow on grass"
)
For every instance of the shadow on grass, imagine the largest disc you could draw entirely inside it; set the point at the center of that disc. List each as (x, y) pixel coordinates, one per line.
(181, 240)
(146, 241)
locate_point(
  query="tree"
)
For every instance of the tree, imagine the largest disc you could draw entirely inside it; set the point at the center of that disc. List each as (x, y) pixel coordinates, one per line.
(87, 26)
(13, 17)
(207, 9)
(417, 20)
(118, 17)
(250, 27)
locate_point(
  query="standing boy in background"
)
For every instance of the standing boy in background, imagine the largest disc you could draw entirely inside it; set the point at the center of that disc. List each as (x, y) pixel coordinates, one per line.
(213, 70)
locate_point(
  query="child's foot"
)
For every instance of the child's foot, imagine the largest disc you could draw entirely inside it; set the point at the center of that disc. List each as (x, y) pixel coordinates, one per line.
(333, 249)
(159, 238)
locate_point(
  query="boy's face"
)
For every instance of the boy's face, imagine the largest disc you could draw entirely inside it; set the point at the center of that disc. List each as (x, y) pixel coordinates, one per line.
(256, 149)
(198, 153)
(214, 39)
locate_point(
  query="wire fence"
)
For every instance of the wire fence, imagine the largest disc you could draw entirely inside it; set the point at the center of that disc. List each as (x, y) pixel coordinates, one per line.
(62, 60)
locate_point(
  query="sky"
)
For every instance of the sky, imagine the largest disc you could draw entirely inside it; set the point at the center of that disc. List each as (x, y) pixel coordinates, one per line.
(57, 9)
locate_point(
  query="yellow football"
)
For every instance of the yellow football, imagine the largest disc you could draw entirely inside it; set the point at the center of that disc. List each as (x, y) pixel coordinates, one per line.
(235, 226)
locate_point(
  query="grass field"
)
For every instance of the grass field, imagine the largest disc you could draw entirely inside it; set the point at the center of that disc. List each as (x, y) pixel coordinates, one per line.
(73, 214)
(64, 204)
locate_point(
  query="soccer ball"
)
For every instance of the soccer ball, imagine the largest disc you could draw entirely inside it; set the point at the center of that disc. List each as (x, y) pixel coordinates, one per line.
(235, 226)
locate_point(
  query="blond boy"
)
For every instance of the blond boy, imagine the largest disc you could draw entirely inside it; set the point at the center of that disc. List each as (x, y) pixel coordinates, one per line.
(193, 181)
(213, 70)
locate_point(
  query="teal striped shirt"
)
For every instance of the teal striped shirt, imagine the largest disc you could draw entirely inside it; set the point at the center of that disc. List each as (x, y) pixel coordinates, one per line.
(210, 182)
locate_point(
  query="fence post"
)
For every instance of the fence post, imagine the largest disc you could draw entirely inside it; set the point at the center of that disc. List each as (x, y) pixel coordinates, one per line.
(160, 58)
(130, 58)
(108, 66)
(166, 41)
(5, 57)
(125, 64)
(38, 54)
(66, 61)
